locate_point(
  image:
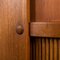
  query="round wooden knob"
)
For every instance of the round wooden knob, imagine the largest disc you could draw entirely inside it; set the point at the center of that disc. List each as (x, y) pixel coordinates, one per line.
(19, 30)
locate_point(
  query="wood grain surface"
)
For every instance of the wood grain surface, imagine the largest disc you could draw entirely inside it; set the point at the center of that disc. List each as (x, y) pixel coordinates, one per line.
(12, 45)
(45, 29)
(45, 10)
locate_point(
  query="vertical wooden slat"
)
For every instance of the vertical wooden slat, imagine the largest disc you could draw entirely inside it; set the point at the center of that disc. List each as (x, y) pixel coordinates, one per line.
(37, 49)
(31, 48)
(40, 50)
(34, 50)
(43, 49)
(59, 48)
(47, 49)
(51, 49)
(55, 49)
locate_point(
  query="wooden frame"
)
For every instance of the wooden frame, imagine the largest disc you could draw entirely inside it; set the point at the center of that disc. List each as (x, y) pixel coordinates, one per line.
(25, 41)
(45, 29)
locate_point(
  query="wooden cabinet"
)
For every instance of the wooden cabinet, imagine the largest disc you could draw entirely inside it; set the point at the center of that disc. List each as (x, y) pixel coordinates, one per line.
(29, 30)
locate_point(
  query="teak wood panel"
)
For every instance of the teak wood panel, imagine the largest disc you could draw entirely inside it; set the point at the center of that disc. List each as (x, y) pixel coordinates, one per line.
(45, 10)
(12, 45)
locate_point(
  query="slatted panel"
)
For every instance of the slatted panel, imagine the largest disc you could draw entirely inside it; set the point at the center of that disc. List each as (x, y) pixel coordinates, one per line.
(45, 48)
(59, 49)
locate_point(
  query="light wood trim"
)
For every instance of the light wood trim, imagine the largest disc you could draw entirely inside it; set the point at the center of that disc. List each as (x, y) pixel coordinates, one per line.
(45, 29)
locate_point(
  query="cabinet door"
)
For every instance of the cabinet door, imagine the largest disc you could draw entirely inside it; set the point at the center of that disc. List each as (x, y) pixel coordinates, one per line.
(45, 29)
(14, 45)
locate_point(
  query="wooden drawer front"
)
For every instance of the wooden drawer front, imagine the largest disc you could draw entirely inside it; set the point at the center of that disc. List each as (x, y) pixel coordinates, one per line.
(45, 48)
